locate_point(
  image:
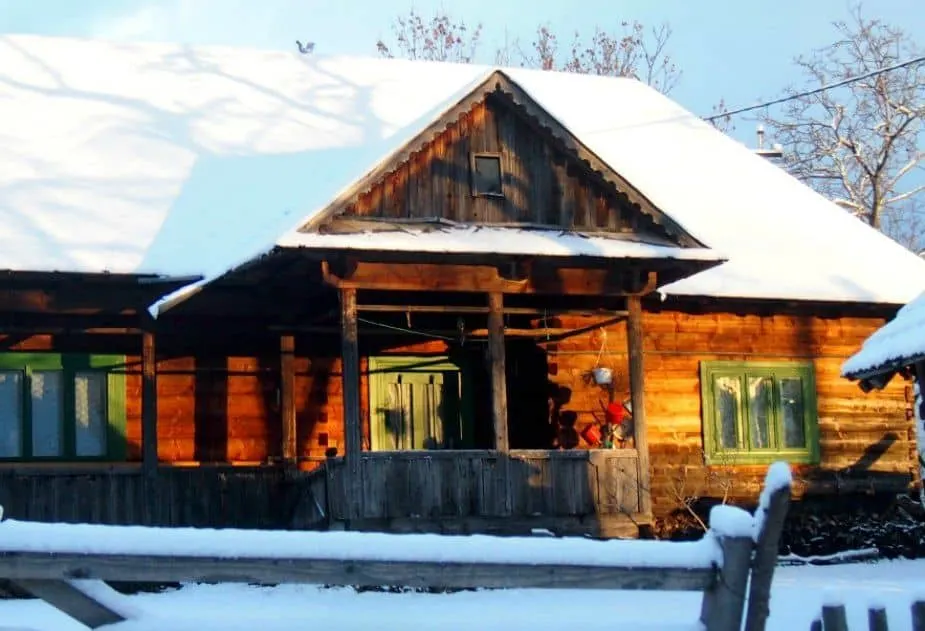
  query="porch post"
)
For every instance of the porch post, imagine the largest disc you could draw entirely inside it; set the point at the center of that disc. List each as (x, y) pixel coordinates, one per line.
(637, 397)
(350, 371)
(920, 412)
(287, 397)
(148, 405)
(498, 380)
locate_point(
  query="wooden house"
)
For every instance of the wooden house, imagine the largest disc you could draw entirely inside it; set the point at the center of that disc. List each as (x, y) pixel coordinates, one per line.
(259, 289)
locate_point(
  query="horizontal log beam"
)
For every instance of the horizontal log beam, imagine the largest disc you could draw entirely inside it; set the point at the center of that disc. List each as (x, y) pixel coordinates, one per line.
(469, 309)
(534, 279)
(270, 571)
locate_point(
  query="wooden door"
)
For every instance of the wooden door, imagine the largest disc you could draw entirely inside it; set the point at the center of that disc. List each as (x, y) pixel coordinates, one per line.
(415, 405)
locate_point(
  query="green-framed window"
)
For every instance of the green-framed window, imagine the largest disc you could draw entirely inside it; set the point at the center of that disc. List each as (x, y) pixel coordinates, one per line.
(759, 412)
(62, 406)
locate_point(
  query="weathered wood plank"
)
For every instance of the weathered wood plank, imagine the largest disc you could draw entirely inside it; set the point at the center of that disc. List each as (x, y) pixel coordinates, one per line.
(148, 403)
(834, 618)
(21, 566)
(765, 560)
(287, 397)
(918, 615)
(637, 396)
(876, 619)
(350, 357)
(724, 604)
(498, 377)
(59, 593)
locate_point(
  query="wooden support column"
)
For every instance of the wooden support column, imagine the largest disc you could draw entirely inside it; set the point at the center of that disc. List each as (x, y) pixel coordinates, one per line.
(287, 398)
(350, 371)
(498, 378)
(148, 405)
(637, 397)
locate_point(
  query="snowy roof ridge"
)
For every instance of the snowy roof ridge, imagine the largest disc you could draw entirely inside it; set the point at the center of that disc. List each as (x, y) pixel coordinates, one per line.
(190, 160)
(898, 343)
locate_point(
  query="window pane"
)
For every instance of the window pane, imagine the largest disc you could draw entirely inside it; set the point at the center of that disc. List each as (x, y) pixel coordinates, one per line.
(791, 406)
(46, 413)
(90, 413)
(759, 411)
(10, 414)
(487, 176)
(727, 393)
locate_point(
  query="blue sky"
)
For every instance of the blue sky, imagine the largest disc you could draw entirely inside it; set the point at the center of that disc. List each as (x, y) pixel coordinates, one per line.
(740, 50)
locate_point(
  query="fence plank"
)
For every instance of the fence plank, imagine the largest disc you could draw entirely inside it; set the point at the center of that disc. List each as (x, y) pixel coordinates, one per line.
(918, 616)
(765, 560)
(67, 598)
(833, 618)
(815, 625)
(876, 619)
(172, 569)
(724, 603)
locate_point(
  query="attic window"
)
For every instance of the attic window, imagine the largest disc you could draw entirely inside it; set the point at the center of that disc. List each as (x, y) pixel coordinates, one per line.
(486, 175)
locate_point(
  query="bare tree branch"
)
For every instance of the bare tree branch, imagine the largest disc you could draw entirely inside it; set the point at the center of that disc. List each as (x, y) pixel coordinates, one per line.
(630, 50)
(859, 144)
(441, 38)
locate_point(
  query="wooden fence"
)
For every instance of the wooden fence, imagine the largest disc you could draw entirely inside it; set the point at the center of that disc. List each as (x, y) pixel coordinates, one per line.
(743, 576)
(834, 618)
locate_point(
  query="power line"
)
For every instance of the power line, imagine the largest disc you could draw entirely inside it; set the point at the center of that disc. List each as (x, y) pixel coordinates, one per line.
(823, 88)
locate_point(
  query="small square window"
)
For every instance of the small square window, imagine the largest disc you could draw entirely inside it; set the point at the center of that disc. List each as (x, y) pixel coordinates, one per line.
(486, 174)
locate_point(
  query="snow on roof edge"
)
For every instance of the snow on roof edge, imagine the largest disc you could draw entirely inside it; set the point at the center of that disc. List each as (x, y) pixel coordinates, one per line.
(898, 343)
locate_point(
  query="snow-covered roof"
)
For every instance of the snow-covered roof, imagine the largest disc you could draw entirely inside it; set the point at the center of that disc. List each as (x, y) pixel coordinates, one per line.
(898, 343)
(494, 240)
(178, 160)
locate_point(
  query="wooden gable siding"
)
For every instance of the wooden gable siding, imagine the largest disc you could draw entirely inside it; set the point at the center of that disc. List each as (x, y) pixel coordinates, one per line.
(542, 185)
(850, 424)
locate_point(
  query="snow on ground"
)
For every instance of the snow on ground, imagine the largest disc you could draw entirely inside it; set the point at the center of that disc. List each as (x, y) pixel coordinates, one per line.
(797, 597)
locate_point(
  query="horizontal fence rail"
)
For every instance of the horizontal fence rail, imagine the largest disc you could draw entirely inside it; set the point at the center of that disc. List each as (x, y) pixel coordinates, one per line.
(357, 572)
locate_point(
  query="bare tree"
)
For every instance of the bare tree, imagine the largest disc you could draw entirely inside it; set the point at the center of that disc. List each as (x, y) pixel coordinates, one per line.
(721, 119)
(860, 144)
(629, 51)
(441, 38)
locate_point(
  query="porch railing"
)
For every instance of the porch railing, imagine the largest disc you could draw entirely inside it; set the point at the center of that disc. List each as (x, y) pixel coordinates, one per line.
(453, 486)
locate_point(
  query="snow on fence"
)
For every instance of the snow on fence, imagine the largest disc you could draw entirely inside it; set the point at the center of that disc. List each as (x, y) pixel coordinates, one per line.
(732, 564)
(834, 618)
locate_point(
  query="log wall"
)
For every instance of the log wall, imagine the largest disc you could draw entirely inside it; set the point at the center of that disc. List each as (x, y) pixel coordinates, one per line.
(226, 409)
(851, 423)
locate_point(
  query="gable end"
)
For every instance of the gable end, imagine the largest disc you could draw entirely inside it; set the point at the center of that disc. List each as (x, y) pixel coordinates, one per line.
(548, 178)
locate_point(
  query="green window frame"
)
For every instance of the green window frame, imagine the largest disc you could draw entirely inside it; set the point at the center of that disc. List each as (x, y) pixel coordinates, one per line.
(759, 412)
(53, 393)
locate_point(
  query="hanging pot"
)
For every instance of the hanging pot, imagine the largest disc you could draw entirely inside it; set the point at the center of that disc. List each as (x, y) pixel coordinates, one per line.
(602, 376)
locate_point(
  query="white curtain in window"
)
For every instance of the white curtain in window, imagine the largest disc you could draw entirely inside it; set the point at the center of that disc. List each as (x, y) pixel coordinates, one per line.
(46, 395)
(90, 413)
